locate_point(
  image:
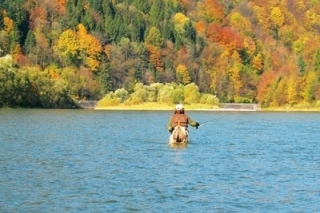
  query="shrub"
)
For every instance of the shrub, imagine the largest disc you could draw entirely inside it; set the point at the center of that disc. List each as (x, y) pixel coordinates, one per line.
(191, 93)
(109, 100)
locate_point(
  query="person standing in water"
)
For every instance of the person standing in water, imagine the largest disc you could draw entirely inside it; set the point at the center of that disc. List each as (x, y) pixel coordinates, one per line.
(179, 118)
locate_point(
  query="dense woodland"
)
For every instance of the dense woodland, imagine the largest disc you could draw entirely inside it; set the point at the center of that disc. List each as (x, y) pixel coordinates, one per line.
(53, 52)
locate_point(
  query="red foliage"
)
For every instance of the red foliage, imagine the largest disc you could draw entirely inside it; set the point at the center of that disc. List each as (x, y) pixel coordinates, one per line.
(37, 15)
(224, 35)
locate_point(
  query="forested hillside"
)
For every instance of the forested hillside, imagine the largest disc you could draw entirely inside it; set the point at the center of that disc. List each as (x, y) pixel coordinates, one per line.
(244, 51)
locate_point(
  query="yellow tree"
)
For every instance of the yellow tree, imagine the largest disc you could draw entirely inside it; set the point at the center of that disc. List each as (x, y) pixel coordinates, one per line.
(287, 34)
(68, 44)
(80, 46)
(184, 74)
(180, 20)
(309, 88)
(235, 82)
(240, 23)
(8, 24)
(262, 17)
(257, 62)
(312, 18)
(298, 46)
(292, 89)
(277, 17)
(249, 45)
(89, 47)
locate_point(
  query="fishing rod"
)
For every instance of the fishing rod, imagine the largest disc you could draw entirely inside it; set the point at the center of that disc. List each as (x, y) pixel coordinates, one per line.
(203, 123)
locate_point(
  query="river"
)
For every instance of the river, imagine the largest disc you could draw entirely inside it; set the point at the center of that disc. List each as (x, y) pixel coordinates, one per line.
(119, 161)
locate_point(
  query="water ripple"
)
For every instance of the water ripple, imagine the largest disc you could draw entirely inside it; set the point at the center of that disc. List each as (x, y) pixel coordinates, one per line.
(119, 161)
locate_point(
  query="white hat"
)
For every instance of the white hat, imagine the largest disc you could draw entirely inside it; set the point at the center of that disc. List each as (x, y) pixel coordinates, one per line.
(179, 107)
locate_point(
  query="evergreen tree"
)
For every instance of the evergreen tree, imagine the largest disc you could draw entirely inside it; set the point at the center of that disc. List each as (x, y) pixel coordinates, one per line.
(1, 18)
(30, 42)
(301, 65)
(104, 76)
(88, 21)
(190, 33)
(141, 5)
(156, 14)
(14, 38)
(137, 28)
(168, 32)
(73, 15)
(97, 6)
(316, 61)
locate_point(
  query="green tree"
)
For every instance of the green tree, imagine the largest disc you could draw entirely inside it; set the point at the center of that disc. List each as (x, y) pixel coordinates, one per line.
(190, 33)
(30, 42)
(316, 61)
(302, 65)
(156, 15)
(154, 37)
(142, 6)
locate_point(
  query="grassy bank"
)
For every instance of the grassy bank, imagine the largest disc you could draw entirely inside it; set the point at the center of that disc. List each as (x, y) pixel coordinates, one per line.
(157, 106)
(165, 106)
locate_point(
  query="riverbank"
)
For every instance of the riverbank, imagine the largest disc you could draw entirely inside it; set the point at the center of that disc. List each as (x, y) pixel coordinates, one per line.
(202, 107)
(157, 106)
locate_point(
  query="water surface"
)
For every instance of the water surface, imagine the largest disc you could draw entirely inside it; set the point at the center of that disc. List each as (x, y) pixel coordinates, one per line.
(119, 161)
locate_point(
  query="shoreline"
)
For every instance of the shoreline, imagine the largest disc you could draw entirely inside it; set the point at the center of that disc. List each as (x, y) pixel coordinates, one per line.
(137, 108)
(213, 110)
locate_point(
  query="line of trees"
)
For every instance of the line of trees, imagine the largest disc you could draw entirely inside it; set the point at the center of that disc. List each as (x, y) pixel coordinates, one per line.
(238, 51)
(170, 93)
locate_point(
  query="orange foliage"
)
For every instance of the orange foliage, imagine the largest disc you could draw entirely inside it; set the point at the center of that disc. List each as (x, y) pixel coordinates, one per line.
(224, 35)
(211, 11)
(90, 48)
(61, 6)
(155, 57)
(200, 27)
(18, 57)
(263, 86)
(213, 32)
(54, 73)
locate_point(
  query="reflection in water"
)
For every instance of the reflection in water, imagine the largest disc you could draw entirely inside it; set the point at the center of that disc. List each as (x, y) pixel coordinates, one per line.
(119, 161)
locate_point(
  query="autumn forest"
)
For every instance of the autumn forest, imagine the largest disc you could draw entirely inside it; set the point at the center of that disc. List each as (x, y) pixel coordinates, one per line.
(55, 52)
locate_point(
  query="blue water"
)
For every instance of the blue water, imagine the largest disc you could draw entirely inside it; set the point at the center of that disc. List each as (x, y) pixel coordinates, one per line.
(119, 161)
